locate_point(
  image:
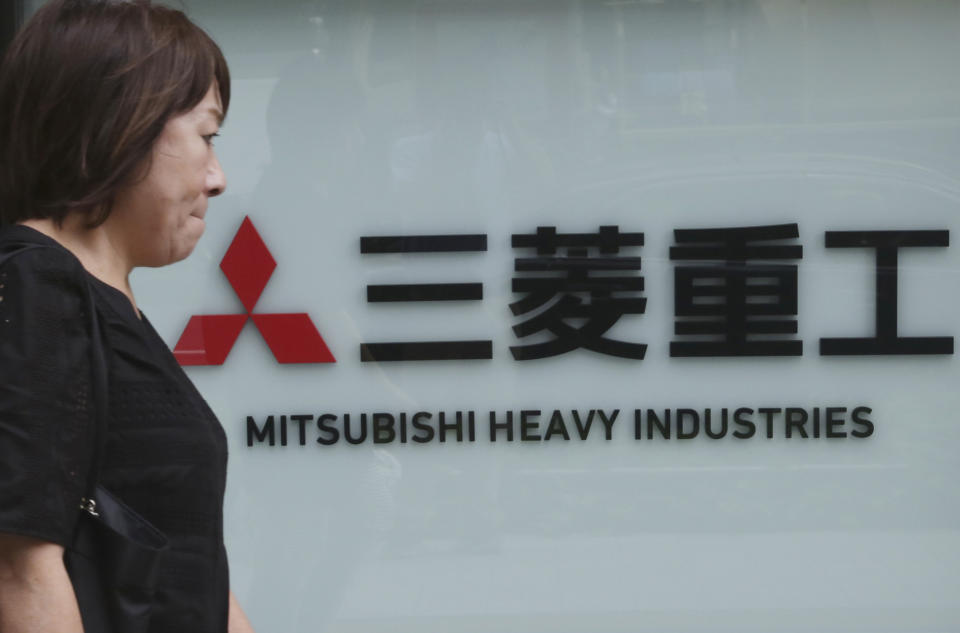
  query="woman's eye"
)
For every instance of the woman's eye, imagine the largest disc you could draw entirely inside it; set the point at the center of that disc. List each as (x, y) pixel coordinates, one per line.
(209, 137)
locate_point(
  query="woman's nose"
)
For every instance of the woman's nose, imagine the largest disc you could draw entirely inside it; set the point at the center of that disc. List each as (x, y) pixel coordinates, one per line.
(216, 179)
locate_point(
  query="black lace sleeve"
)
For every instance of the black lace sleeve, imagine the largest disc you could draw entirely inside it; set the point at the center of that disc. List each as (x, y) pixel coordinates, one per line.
(45, 395)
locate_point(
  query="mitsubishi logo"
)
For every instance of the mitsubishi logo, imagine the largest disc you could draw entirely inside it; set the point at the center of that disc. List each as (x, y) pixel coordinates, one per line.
(248, 265)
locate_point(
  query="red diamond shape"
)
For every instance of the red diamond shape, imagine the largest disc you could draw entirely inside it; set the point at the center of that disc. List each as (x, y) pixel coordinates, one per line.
(293, 338)
(208, 339)
(248, 264)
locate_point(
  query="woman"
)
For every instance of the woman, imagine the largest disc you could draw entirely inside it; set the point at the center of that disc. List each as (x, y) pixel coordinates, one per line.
(108, 110)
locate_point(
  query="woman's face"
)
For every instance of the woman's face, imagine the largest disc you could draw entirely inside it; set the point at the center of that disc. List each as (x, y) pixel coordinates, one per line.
(159, 219)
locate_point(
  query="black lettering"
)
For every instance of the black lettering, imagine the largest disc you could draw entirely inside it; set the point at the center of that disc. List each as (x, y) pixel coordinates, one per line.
(796, 419)
(608, 422)
(302, 421)
(528, 428)
(816, 422)
(426, 350)
(833, 422)
(457, 426)
(583, 428)
(886, 339)
(424, 292)
(733, 296)
(507, 426)
(363, 429)
(553, 301)
(662, 426)
(769, 413)
(423, 427)
(261, 434)
(739, 418)
(461, 243)
(707, 427)
(325, 426)
(556, 426)
(383, 432)
(683, 414)
(283, 430)
(859, 417)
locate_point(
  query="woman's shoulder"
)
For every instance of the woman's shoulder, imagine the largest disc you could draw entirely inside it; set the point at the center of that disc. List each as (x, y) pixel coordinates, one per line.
(37, 273)
(27, 251)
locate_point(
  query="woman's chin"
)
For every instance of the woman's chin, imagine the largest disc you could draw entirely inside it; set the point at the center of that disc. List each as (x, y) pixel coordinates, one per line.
(185, 251)
(175, 253)
(194, 232)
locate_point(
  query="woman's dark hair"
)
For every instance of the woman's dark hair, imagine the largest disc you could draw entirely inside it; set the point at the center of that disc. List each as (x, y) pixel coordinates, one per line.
(86, 88)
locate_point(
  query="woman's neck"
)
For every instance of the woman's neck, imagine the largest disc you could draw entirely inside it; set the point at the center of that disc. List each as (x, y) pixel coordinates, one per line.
(93, 248)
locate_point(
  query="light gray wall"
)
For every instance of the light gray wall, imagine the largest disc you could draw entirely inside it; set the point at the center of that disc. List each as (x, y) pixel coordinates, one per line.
(394, 118)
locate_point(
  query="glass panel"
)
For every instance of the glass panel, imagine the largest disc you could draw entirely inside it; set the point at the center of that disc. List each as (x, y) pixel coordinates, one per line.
(759, 436)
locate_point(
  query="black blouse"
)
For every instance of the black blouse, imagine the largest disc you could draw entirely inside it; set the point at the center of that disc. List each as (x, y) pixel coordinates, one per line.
(166, 453)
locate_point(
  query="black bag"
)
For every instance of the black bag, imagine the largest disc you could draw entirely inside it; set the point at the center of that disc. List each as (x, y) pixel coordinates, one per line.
(114, 558)
(113, 563)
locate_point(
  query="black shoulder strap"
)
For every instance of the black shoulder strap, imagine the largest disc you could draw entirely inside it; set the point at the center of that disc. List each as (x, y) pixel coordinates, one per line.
(99, 385)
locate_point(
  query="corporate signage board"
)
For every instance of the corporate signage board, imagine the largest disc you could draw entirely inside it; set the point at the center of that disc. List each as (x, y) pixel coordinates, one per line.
(728, 300)
(578, 331)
